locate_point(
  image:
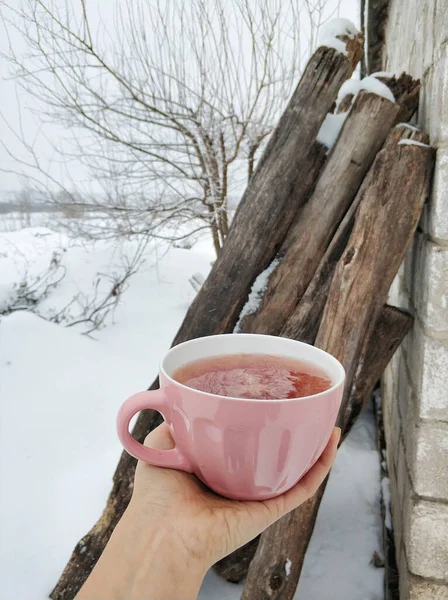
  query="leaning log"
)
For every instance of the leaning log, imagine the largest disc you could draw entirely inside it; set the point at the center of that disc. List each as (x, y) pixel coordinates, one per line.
(362, 135)
(385, 224)
(406, 91)
(283, 181)
(303, 323)
(391, 328)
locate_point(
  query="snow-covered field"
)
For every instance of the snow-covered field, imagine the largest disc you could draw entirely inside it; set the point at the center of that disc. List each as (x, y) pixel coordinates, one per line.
(60, 391)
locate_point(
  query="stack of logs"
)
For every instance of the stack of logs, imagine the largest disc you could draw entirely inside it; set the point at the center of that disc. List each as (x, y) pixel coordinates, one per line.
(332, 227)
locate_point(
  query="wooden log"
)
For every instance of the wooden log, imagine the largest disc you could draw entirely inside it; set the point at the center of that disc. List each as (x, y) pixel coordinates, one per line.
(361, 137)
(283, 180)
(268, 578)
(234, 567)
(384, 226)
(391, 327)
(406, 91)
(282, 183)
(303, 323)
(345, 104)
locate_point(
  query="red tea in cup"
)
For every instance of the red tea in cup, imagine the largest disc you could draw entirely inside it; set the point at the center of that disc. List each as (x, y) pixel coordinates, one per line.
(254, 376)
(258, 414)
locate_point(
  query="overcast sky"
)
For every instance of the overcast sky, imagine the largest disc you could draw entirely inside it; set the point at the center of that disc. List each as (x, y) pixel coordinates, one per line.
(20, 112)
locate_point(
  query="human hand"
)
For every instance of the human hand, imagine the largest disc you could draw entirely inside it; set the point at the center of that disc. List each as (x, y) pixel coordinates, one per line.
(206, 525)
(175, 528)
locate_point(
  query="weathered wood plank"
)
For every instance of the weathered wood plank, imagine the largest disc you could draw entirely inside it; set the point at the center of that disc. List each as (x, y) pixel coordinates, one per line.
(362, 135)
(391, 328)
(406, 91)
(304, 321)
(385, 223)
(282, 183)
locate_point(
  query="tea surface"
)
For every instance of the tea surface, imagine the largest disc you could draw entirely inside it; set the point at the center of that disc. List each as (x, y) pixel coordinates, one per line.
(255, 376)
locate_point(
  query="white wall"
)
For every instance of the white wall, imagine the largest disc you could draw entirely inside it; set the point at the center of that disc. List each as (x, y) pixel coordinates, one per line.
(415, 386)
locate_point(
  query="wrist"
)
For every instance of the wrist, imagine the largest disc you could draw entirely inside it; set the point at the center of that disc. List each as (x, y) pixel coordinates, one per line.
(166, 535)
(144, 558)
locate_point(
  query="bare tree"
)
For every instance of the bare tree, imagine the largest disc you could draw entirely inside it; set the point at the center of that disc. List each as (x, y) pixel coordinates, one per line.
(169, 102)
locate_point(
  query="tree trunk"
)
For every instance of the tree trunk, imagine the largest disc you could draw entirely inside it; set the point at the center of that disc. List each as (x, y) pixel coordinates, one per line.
(384, 226)
(292, 157)
(362, 136)
(214, 230)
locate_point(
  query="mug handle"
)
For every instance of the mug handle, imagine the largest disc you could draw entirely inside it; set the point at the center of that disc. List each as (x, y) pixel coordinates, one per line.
(155, 399)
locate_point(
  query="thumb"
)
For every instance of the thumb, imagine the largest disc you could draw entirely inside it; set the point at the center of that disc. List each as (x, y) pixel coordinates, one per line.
(160, 438)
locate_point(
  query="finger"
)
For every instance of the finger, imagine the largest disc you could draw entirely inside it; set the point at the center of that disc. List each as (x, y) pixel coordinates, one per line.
(160, 438)
(310, 482)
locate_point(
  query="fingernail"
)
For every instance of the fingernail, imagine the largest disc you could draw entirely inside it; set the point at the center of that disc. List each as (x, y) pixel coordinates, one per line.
(339, 432)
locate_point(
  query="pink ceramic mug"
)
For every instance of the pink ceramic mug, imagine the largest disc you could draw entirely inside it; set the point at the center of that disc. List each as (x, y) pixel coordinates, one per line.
(242, 449)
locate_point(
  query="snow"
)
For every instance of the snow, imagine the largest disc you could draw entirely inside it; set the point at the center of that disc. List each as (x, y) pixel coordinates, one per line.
(330, 129)
(8, 294)
(374, 86)
(346, 532)
(412, 143)
(366, 35)
(60, 392)
(408, 125)
(349, 87)
(382, 74)
(368, 84)
(385, 489)
(331, 32)
(332, 125)
(256, 293)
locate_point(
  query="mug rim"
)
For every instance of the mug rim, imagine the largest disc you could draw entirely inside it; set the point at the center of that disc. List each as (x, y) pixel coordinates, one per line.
(339, 380)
